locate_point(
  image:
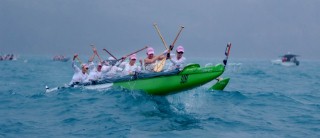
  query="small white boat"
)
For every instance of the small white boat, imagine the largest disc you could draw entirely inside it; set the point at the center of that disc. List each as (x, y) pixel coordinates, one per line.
(287, 60)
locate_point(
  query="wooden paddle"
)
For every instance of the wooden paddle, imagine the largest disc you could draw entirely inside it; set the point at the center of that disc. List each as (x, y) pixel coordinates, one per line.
(181, 27)
(158, 31)
(159, 66)
(110, 53)
(136, 51)
(124, 57)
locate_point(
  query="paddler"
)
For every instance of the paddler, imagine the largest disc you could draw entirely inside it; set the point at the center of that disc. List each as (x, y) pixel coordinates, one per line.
(130, 68)
(80, 76)
(150, 61)
(178, 60)
(111, 70)
(95, 74)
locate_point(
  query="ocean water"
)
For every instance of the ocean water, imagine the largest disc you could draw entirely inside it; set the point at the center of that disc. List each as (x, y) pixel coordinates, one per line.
(261, 100)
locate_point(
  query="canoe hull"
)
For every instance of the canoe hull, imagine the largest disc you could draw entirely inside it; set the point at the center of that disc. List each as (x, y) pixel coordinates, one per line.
(187, 79)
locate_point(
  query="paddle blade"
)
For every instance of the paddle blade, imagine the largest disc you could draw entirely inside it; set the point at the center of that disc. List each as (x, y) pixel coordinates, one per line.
(159, 66)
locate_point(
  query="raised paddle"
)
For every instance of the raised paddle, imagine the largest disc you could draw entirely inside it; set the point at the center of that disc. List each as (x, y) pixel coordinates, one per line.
(175, 40)
(172, 45)
(158, 31)
(133, 53)
(110, 53)
(159, 66)
(124, 57)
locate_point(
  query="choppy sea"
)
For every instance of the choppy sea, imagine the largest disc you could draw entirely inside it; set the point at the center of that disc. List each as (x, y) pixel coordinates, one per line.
(261, 100)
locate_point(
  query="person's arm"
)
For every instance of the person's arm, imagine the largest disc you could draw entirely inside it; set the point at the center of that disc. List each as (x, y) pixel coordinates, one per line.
(155, 58)
(92, 57)
(163, 55)
(75, 68)
(173, 61)
(149, 61)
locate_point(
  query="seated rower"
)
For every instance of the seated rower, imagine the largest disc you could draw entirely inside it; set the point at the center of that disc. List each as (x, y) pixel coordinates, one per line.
(151, 60)
(131, 67)
(79, 76)
(106, 65)
(95, 74)
(178, 61)
(109, 70)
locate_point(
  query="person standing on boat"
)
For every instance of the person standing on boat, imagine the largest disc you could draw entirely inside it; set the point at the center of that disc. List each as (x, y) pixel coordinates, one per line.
(150, 61)
(130, 68)
(179, 60)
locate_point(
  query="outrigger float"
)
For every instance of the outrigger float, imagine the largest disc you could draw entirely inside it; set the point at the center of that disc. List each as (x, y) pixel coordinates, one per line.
(165, 83)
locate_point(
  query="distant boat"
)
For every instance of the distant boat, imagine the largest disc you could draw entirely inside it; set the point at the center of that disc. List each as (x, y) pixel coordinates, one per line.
(60, 58)
(8, 57)
(287, 60)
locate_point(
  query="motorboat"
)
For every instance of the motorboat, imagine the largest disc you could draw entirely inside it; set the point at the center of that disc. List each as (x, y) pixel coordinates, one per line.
(287, 60)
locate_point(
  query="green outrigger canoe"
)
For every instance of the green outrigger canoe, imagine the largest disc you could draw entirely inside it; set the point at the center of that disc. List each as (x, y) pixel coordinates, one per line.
(163, 83)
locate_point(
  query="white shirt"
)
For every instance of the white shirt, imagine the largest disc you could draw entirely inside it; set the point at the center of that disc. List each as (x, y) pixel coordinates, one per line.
(78, 76)
(177, 63)
(129, 70)
(105, 68)
(94, 75)
(150, 67)
(113, 71)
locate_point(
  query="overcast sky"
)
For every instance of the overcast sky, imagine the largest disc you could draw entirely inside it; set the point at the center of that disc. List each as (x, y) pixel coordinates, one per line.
(256, 28)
